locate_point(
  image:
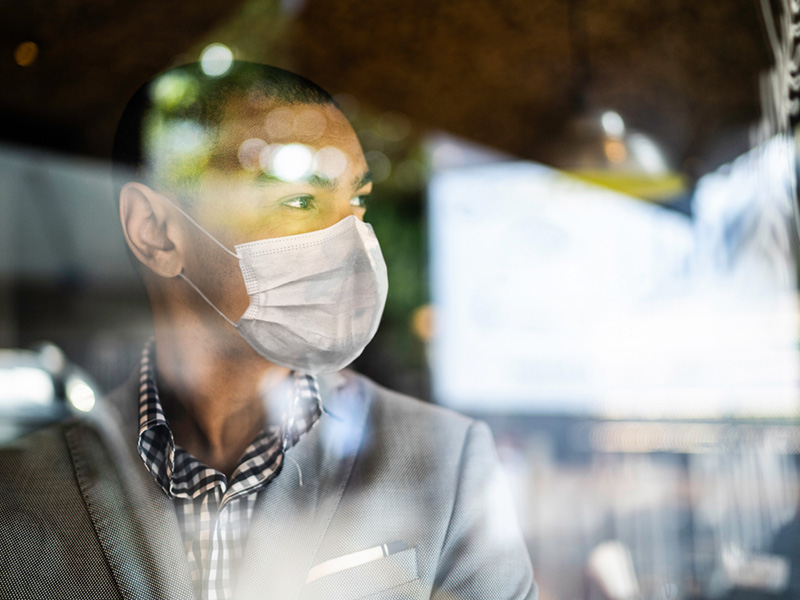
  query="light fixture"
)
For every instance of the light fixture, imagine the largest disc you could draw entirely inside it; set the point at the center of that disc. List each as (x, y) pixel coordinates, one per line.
(597, 144)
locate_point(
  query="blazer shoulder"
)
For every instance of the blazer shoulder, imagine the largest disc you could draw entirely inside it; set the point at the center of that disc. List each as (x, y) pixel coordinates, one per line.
(403, 426)
(401, 407)
(38, 461)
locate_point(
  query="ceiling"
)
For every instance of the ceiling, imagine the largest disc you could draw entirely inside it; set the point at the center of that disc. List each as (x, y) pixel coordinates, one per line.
(505, 73)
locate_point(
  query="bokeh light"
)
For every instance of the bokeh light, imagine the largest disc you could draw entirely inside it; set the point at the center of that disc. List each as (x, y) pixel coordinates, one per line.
(379, 165)
(25, 54)
(613, 123)
(80, 395)
(310, 124)
(330, 162)
(173, 90)
(250, 153)
(649, 156)
(52, 358)
(279, 124)
(216, 60)
(615, 151)
(422, 322)
(265, 157)
(292, 162)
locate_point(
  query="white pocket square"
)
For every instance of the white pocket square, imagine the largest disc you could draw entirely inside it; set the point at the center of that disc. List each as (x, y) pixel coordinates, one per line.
(354, 559)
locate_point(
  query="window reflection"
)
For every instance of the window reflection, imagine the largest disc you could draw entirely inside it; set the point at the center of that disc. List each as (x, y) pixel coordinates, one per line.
(589, 219)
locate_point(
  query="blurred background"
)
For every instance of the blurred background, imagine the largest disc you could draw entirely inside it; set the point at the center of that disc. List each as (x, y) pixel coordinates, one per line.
(587, 211)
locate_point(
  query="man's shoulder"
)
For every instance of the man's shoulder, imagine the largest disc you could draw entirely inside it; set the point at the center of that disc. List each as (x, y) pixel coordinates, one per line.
(400, 427)
(36, 445)
(38, 461)
(400, 410)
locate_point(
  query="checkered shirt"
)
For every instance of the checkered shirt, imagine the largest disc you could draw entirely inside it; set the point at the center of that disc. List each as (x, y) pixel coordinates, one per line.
(214, 514)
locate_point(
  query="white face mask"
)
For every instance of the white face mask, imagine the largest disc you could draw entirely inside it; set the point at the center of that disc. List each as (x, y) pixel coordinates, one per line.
(316, 299)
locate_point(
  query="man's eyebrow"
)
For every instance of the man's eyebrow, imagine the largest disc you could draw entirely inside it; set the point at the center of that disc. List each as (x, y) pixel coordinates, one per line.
(315, 180)
(266, 178)
(318, 180)
(323, 182)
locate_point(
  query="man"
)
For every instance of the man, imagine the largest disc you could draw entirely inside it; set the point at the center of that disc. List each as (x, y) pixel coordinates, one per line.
(241, 461)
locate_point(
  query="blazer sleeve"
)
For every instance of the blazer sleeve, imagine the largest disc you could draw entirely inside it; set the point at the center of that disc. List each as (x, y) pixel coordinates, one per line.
(483, 555)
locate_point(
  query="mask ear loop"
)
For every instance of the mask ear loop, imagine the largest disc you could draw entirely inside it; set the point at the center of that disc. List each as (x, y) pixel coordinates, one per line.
(200, 227)
(213, 239)
(203, 296)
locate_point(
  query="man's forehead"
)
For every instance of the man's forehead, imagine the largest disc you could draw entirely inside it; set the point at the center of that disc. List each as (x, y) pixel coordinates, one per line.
(280, 122)
(251, 135)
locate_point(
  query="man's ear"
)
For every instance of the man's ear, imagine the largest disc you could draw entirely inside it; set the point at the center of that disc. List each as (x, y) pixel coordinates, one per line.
(150, 229)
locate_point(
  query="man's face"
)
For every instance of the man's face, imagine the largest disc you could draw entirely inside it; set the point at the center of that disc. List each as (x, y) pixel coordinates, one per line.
(281, 170)
(276, 170)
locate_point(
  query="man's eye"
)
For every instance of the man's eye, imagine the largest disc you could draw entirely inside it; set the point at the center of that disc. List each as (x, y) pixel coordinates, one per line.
(359, 201)
(302, 202)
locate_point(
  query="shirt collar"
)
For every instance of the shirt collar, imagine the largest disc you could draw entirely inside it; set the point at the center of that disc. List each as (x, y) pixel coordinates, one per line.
(157, 446)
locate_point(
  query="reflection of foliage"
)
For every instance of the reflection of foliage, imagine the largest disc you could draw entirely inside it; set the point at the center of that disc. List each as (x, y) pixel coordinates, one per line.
(175, 90)
(396, 212)
(256, 32)
(178, 150)
(177, 145)
(398, 223)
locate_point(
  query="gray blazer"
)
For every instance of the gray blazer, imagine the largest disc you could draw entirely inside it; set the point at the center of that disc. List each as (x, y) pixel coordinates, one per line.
(413, 484)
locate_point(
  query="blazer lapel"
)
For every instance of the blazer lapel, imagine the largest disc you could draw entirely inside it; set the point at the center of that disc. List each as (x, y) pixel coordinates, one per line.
(134, 519)
(290, 520)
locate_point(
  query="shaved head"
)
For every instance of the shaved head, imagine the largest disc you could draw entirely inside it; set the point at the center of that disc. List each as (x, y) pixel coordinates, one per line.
(170, 130)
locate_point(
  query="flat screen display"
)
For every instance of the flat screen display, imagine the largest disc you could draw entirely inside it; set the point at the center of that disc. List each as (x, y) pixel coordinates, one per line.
(555, 296)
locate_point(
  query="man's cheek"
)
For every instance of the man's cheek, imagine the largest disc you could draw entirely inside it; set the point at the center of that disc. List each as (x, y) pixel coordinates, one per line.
(239, 221)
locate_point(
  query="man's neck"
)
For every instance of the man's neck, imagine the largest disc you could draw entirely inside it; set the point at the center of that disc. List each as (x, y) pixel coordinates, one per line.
(215, 392)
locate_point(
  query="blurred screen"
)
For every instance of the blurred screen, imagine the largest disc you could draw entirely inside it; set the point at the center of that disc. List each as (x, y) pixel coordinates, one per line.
(554, 295)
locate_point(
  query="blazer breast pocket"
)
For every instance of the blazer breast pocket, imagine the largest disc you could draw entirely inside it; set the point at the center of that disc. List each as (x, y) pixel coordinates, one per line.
(365, 580)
